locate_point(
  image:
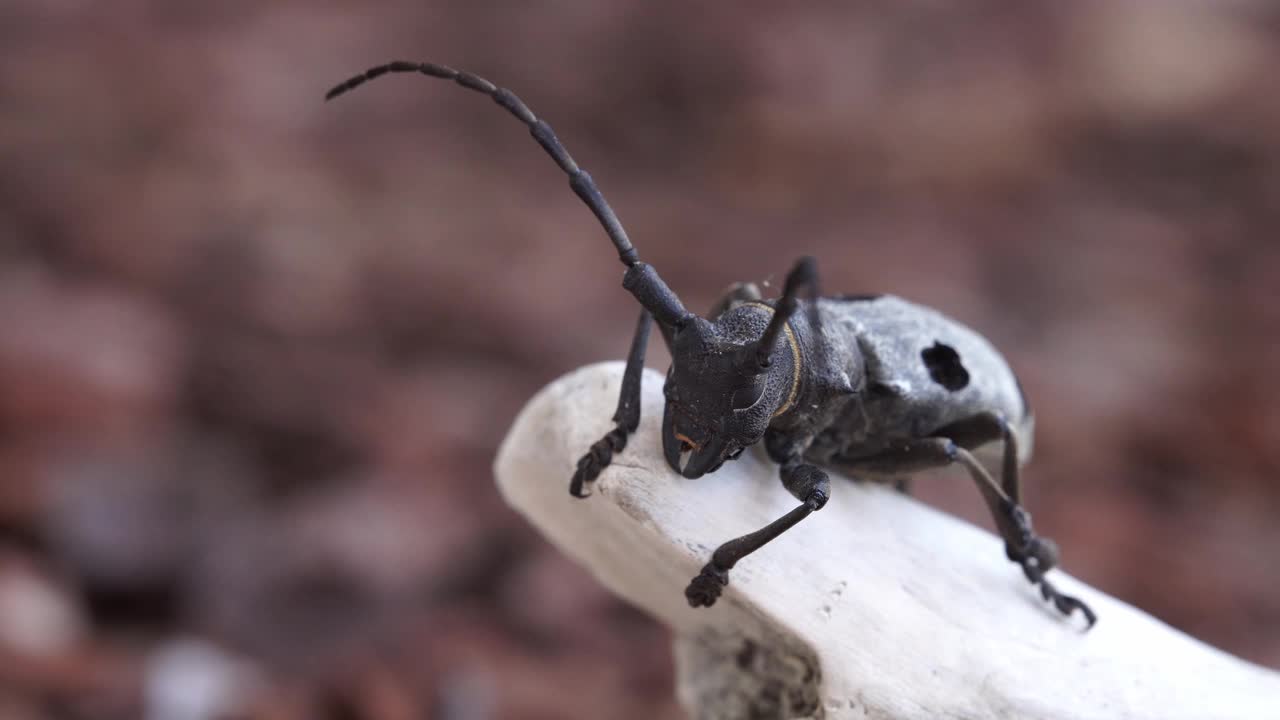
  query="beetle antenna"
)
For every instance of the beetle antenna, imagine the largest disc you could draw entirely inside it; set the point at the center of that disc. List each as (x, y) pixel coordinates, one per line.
(803, 275)
(579, 180)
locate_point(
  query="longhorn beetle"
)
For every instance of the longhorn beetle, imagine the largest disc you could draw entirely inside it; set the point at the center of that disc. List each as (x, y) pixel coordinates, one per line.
(872, 385)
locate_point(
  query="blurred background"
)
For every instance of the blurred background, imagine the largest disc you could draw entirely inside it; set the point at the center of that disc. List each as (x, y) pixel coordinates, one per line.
(257, 351)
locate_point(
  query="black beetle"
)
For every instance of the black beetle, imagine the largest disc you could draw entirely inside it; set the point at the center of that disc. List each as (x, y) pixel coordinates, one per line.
(873, 385)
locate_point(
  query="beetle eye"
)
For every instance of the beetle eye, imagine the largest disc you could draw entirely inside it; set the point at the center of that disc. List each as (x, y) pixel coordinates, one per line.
(745, 397)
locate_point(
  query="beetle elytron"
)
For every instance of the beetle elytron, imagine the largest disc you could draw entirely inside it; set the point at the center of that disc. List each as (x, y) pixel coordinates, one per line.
(875, 386)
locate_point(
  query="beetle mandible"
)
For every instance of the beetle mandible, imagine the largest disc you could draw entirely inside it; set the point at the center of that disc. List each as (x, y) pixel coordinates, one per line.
(872, 385)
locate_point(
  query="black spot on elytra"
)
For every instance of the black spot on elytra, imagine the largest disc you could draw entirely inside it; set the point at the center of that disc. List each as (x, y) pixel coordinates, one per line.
(944, 366)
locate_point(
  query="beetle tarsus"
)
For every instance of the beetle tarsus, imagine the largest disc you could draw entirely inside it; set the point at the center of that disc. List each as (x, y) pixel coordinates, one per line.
(1041, 551)
(596, 460)
(704, 590)
(1067, 604)
(1037, 557)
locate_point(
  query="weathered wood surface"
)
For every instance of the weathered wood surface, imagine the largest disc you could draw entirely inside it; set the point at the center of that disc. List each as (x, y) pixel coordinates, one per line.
(876, 607)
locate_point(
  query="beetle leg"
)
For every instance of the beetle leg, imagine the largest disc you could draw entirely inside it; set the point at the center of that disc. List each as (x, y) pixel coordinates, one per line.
(627, 416)
(802, 277)
(735, 295)
(1035, 554)
(988, 427)
(807, 483)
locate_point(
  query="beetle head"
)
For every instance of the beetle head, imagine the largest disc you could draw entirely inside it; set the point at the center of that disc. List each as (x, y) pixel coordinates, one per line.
(719, 397)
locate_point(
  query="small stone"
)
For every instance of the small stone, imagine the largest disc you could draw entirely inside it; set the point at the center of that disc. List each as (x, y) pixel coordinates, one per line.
(37, 617)
(192, 679)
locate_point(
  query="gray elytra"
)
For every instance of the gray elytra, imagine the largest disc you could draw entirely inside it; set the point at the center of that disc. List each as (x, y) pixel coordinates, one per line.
(875, 386)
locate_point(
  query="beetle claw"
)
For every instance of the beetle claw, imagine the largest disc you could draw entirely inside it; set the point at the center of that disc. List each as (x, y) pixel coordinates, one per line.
(1067, 604)
(1034, 567)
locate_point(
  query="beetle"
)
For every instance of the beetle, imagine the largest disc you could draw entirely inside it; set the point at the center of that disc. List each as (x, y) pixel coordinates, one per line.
(874, 386)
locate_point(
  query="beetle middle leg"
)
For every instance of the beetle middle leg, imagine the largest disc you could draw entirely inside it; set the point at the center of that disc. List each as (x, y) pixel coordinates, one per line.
(807, 483)
(627, 416)
(735, 295)
(1036, 555)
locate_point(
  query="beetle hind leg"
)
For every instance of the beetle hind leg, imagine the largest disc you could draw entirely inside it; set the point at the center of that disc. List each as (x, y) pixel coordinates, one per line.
(1036, 555)
(1066, 604)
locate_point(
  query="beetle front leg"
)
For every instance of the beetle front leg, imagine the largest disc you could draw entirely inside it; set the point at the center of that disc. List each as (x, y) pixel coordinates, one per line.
(627, 416)
(807, 483)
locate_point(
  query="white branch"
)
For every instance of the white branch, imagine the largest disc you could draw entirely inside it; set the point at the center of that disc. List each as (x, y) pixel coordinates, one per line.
(875, 607)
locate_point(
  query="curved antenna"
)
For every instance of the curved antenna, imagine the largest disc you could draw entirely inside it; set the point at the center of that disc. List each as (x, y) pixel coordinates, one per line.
(579, 180)
(803, 275)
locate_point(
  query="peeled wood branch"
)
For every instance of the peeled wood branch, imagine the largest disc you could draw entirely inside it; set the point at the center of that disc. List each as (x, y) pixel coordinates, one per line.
(876, 607)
